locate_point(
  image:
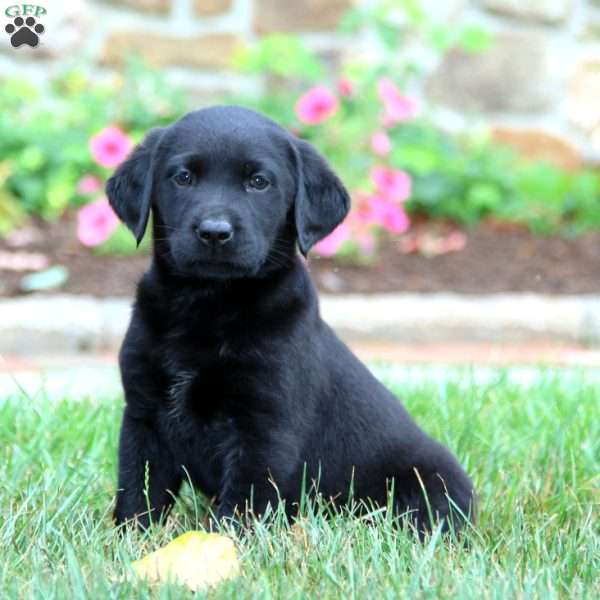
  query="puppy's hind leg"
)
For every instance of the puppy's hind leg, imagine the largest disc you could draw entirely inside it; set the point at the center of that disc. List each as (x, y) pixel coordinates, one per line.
(437, 495)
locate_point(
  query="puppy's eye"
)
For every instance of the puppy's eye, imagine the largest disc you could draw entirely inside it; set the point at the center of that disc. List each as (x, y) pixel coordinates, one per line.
(258, 182)
(183, 178)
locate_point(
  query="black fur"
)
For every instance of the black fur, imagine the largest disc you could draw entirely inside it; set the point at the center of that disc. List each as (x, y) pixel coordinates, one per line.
(228, 370)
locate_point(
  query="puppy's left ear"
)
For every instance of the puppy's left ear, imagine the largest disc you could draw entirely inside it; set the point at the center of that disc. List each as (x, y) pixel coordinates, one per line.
(322, 202)
(130, 188)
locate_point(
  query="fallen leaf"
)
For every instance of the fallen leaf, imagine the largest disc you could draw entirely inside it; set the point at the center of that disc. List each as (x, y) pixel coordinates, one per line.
(195, 559)
(431, 244)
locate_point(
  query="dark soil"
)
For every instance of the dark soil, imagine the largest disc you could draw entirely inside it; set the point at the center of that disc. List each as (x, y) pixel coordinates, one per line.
(495, 259)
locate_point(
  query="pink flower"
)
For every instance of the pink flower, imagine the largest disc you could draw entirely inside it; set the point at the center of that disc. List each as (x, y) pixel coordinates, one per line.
(391, 183)
(398, 108)
(316, 105)
(110, 147)
(368, 211)
(377, 210)
(389, 215)
(362, 212)
(95, 222)
(345, 87)
(334, 241)
(381, 143)
(89, 184)
(360, 223)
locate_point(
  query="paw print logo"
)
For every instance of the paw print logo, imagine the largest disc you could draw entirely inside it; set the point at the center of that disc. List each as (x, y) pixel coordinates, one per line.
(24, 31)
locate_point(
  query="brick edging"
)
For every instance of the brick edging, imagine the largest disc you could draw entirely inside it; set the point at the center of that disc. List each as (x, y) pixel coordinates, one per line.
(73, 324)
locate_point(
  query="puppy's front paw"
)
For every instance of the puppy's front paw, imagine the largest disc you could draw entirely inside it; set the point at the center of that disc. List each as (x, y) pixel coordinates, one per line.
(127, 515)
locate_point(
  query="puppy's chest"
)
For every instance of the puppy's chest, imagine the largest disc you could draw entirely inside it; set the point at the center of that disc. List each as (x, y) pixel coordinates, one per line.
(203, 380)
(211, 378)
(198, 421)
(196, 412)
(198, 391)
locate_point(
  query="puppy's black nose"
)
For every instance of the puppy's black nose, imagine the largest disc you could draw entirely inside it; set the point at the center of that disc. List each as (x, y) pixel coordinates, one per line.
(214, 232)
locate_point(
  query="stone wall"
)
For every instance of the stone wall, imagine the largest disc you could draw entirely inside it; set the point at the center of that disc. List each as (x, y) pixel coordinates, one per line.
(538, 86)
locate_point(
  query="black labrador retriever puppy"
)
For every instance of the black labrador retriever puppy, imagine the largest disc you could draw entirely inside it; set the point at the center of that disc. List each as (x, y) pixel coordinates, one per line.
(230, 375)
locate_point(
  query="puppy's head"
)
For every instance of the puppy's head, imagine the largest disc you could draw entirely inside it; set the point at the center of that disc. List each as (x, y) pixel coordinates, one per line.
(231, 193)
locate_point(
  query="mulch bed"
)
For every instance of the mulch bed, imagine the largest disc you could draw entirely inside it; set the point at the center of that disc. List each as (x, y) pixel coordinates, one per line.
(495, 259)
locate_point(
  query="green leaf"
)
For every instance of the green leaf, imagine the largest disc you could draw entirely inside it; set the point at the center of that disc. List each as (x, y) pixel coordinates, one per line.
(353, 20)
(389, 34)
(440, 37)
(11, 213)
(411, 8)
(475, 40)
(122, 243)
(283, 55)
(484, 197)
(417, 159)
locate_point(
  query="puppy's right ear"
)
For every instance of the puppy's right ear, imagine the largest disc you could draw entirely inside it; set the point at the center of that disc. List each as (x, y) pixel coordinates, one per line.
(130, 188)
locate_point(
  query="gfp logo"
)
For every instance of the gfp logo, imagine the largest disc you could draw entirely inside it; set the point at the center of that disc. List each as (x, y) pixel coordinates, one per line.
(24, 29)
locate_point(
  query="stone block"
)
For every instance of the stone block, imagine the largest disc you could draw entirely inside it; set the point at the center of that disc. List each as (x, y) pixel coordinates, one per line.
(211, 8)
(541, 11)
(300, 15)
(583, 94)
(150, 6)
(535, 144)
(514, 74)
(211, 51)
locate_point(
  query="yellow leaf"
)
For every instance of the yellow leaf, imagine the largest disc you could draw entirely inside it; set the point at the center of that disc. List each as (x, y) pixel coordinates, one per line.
(195, 559)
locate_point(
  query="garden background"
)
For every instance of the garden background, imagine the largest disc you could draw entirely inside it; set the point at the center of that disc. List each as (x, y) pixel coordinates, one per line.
(467, 275)
(462, 128)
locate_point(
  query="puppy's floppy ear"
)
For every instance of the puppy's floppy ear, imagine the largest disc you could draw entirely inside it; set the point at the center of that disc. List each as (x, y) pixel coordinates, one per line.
(322, 202)
(130, 188)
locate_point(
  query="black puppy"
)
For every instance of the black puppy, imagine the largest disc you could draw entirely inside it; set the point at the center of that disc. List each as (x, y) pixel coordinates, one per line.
(229, 372)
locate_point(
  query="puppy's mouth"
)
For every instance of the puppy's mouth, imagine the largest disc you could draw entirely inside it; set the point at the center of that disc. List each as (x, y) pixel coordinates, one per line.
(220, 269)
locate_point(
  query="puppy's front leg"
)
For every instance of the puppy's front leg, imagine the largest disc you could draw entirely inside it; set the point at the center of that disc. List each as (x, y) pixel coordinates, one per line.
(254, 477)
(148, 476)
(244, 498)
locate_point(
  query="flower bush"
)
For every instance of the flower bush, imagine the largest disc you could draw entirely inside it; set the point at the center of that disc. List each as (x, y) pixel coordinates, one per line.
(362, 116)
(70, 134)
(397, 165)
(378, 206)
(96, 221)
(398, 108)
(395, 162)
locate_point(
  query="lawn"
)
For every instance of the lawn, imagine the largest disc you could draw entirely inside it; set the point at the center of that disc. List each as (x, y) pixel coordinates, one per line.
(533, 450)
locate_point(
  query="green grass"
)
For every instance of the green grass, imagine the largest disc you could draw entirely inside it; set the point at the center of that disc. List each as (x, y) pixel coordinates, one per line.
(534, 453)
